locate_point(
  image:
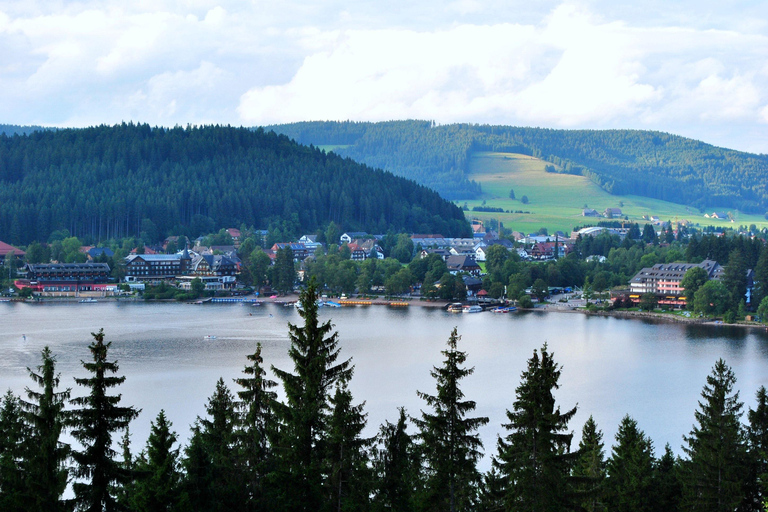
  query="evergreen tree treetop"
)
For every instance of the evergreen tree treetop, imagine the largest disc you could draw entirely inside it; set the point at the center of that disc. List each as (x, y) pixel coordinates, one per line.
(93, 424)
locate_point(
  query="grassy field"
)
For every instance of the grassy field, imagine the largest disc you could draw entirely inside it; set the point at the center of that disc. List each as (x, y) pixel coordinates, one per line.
(556, 200)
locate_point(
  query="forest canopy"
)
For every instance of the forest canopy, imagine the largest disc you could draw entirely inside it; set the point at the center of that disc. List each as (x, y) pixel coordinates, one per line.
(647, 163)
(106, 181)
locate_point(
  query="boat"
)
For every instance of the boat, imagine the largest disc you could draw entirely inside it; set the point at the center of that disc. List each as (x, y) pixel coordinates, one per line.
(456, 307)
(332, 304)
(209, 337)
(88, 301)
(503, 309)
(471, 309)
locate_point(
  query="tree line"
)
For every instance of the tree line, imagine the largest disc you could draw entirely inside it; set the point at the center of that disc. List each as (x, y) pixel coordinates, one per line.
(309, 451)
(647, 163)
(117, 181)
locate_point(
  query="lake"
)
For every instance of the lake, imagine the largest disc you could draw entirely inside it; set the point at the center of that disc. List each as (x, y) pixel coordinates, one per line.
(650, 370)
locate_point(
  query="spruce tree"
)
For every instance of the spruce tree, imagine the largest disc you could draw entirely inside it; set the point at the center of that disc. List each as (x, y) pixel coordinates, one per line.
(449, 440)
(760, 291)
(396, 466)
(666, 483)
(630, 470)
(349, 483)
(304, 417)
(217, 430)
(46, 469)
(735, 278)
(93, 424)
(535, 457)
(158, 488)
(257, 429)
(197, 492)
(14, 449)
(756, 492)
(589, 468)
(714, 474)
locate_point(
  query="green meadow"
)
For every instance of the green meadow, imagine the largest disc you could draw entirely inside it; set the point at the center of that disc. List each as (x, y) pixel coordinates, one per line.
(555, 201)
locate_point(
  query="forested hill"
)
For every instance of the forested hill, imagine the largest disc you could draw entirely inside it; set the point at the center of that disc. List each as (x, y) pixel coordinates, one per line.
(105, 181)
(652, 164)
(12, 129)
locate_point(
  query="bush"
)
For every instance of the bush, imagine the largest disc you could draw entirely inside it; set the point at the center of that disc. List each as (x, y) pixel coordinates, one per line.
(525, 302)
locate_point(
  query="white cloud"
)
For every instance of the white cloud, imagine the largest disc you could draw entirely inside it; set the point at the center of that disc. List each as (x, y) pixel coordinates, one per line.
(689, 68)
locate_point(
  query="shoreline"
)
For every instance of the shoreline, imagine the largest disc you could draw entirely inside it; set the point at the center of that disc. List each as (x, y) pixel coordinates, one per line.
(546, 308)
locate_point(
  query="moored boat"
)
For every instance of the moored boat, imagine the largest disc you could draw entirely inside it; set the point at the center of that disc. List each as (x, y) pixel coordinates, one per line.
(471, 309)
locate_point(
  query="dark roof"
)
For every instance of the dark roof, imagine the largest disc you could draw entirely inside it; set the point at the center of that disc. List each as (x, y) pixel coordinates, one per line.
(95, 252)
(461, 262)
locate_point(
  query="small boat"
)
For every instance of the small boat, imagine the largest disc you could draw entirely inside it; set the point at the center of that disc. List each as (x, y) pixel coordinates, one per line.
(455, 307)
(471, 309)
(88, 301)
(209, 337)
(332, 304)
(503, 309)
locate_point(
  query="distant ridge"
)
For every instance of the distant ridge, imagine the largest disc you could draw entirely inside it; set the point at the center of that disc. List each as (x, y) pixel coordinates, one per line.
(12, 129)
(117, 181)
(647, 163)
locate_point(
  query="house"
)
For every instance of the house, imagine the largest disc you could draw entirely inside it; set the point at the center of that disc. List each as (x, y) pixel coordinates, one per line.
(347, 238)
(236, 236)
(612, 213)
(6, 249)
(212, 265)
(719, 215)
(433, 241)
(357, 253)
(440, 252)
(463, 263)
(310, 242)
(543, 250)
(299, 250)
(97, 252)
(589, 212)
(473, 285)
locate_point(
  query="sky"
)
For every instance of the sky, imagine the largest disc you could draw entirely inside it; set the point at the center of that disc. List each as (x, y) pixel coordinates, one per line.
(693, 68)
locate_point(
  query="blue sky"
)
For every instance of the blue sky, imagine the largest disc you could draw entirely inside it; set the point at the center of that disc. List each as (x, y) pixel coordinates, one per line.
(698, 69)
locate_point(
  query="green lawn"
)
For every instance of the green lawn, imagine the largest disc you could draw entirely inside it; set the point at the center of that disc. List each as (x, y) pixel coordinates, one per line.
(556, 200)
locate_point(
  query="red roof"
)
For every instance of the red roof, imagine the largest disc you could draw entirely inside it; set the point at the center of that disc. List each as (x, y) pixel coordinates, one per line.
(482, 293)
(5, 249)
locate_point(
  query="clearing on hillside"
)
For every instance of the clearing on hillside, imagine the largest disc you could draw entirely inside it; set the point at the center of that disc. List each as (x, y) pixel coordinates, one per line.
(556, 201)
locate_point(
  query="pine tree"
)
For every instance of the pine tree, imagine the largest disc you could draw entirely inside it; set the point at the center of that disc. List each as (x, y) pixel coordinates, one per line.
(535, 457)
(756, 492)
(92, 426)
(14, 449)
(666, 483)
(46, 470)
(630, 470)
(217, 431)
(449, 440)
(349, 478)
(589, 468)
(396, 467)
(157, 489)
(304, 417)
(257, 429)
(713, 476)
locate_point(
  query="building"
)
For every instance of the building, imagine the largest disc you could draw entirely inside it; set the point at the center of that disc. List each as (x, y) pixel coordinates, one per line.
(6, 249)
(663, 280)
(589, 212)
(612, 213)
(149, 267)
(67, 277)
(347, 238)
(300, 251)
(465, 263)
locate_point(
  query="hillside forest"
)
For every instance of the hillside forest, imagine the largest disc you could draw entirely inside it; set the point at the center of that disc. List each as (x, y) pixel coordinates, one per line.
(646, 163)
(108, 181)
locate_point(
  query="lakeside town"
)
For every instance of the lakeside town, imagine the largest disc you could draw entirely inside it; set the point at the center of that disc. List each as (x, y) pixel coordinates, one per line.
(499, 271)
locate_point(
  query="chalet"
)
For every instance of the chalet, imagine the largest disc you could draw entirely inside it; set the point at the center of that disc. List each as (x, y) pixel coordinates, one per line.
(97, 252)
(351, 235)
(236, 236)
(146, 267)
(440, 252)
(213, 265)
(612, 213)
(357, 253)
(473, 285)
(589, 212)
(6, 249)
(457, 264)
(370, 247)
(68, 277)
(543, 250)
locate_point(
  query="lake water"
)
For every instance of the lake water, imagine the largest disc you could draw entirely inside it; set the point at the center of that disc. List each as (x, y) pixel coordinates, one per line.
(611, 367)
